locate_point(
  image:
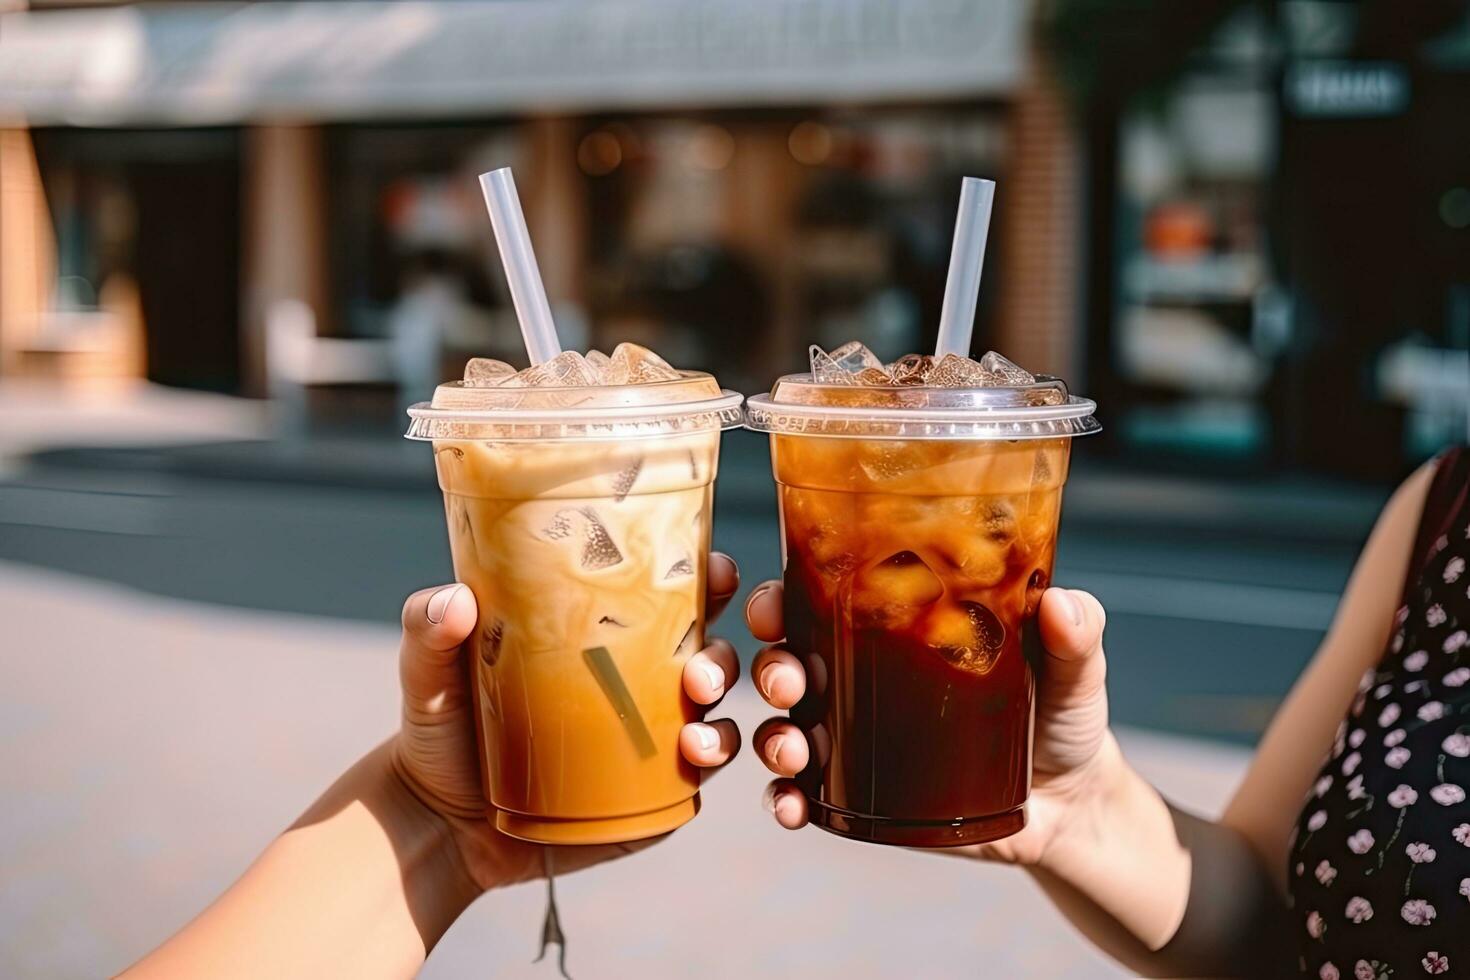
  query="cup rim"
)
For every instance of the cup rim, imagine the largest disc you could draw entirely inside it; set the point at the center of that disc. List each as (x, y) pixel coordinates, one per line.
(581, 423)
(1071, 418)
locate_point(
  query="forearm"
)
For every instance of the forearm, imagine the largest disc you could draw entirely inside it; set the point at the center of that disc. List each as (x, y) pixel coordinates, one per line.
(363, 884)
(1163, 891)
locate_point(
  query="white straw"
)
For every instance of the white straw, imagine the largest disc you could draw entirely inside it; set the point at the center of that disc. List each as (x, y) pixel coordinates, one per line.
(526, 289)
(962, 287)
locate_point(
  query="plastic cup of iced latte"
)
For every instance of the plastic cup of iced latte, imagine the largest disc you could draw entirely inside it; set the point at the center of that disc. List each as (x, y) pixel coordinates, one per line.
(578, 498)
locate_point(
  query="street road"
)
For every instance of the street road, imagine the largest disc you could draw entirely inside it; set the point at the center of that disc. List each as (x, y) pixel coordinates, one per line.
(1215, 599)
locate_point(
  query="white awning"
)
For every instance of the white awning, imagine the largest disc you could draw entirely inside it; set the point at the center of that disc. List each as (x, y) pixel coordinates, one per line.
(225, 63)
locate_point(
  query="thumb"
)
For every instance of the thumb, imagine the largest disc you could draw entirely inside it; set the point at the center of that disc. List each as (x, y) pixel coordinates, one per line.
(1071, 623)
(435, 623)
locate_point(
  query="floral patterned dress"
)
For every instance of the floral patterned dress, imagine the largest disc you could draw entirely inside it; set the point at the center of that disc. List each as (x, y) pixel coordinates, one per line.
(1379, 868)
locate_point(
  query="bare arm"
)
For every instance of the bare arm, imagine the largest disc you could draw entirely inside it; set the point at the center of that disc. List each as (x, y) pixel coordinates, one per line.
(1219, 911)
(362, 885)
(369, 878)
(1266, 805)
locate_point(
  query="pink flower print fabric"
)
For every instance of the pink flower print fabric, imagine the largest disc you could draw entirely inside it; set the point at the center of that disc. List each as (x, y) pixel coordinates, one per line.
(1385, 827)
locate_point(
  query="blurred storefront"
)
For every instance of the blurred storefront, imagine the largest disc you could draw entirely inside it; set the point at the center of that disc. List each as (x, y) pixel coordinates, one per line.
(1204, 207)
(1279, 253)
(726, 183)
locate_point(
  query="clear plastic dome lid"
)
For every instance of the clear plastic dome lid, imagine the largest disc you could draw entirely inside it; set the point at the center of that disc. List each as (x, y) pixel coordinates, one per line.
(692, 402)
(800, 405)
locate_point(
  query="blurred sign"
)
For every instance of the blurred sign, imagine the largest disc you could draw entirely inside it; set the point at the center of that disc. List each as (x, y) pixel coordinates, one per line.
(197, 64)
(1347, 88)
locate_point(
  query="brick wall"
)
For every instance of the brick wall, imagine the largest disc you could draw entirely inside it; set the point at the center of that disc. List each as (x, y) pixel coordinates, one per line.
(1041, 228)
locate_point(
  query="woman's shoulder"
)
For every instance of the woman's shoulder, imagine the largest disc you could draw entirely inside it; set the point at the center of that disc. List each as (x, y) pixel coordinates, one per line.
(1451, 460)
(1445, 481)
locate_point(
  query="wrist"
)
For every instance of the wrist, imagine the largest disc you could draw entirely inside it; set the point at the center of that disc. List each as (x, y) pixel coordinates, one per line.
(430, 870)
(1101, 796)
(1120, 848)
(431, 855)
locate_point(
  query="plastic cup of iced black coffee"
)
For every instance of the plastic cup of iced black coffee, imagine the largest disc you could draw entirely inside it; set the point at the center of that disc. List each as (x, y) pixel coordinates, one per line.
(919, 504)
(578, 499)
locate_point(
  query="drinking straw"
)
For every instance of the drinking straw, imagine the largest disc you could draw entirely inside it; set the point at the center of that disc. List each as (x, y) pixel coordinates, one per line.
(605, 669)
(962, 287)
(526, 290)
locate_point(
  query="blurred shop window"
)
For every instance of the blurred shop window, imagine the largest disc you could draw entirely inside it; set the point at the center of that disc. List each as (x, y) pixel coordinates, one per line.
(726, 239)
(432, 316)
(1193, 362)
(733, 240)
(147, 237)
(414, 261)
(92, 327)
(874, 222)
(1374, 222)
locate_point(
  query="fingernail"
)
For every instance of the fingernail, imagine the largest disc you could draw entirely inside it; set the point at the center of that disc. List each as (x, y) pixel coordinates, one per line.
(708, 737)
(439, 603)
(1074, 608)
(716, 676)
(766, 679)
(768, 799)
(760, 590)
(773, 749)
(734, 568)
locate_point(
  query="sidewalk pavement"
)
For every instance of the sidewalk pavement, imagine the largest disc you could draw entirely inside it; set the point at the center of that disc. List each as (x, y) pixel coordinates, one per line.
(1099, 494)
(150, 747)
(136, 426)
(45, 414)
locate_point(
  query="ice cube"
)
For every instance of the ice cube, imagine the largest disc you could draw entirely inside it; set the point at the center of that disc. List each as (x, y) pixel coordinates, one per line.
(911, 369)
(583, 525)
(826, 370)
(1035, 589)
(854, 357)
(831, 551)
(598, 549)
(486, 372)
(885, 460)
(631, 364)
(598, 362)
(853, 363)
(560, 527)
(626, 477)
(895, 512)
(690, 643)
(1008, 372)
(566, 370)
(955, 371)
(978, 561)
(895, 591)
(990, 632)
(459, 516)
(572, 370)
(968, 635)
(998, 520)
(491, 635)
(1041, 470)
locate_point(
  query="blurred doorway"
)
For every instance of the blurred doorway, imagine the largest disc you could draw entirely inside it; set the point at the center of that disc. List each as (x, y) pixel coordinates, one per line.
(187, 261)
(153, 215)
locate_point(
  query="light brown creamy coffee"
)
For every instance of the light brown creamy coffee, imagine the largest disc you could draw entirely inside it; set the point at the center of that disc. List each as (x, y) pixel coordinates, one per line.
(583, 531)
